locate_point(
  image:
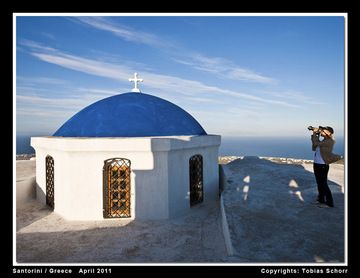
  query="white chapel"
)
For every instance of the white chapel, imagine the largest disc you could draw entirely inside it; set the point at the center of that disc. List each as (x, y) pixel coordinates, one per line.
(131, 155)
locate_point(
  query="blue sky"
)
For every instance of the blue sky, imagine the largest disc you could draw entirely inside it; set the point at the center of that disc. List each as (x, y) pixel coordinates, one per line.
(237, 75)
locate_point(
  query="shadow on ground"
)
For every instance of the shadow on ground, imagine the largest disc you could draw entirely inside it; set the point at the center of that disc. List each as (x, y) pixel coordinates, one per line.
(189, 239)
(272, 217)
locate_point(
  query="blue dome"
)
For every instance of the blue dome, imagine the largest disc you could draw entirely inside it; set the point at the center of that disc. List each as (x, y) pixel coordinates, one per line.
(130, 115)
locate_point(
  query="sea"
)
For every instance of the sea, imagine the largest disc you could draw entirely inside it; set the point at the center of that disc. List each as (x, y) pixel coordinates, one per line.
(289, 147)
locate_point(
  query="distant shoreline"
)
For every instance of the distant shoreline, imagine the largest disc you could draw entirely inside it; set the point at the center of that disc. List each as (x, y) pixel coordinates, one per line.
(282, 160)
(226, 159)
(24, 156)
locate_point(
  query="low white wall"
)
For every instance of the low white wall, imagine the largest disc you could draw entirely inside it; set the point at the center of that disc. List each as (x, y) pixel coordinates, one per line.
(25, 190)
(225, 229)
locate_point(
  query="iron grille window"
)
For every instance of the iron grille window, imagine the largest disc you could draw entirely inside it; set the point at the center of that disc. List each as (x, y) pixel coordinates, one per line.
(49, 168)
(116, 184)
(196, 179)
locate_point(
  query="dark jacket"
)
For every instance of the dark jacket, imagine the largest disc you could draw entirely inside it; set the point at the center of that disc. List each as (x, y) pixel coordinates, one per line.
(326, 148)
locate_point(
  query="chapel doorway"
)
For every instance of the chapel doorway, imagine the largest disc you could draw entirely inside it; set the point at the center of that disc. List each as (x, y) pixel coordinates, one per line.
(49, 169)
(116, 187)
(196, 179)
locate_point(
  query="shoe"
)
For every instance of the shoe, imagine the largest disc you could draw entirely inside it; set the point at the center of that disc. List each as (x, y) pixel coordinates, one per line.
(321, 205)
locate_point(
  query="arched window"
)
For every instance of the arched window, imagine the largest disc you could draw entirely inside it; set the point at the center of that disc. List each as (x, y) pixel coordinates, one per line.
(49, 168)
(116, 186)
(196, 179)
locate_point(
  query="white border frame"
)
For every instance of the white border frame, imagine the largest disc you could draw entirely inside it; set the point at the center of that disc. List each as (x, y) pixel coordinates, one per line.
(345, 15)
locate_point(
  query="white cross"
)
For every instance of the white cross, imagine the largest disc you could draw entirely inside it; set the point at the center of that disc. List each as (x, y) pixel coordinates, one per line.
(135, 80)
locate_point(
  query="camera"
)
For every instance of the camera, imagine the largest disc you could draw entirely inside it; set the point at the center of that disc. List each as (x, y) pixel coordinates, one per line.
(316, 129)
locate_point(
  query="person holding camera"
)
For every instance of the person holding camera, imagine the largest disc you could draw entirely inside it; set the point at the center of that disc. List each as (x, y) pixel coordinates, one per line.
(322, 158)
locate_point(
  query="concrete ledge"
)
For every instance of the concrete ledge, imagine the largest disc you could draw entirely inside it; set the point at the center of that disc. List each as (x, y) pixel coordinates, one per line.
(225, 229)
(224, 222)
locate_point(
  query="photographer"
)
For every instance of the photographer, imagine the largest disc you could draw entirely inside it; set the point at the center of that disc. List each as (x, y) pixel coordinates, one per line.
(322, 158)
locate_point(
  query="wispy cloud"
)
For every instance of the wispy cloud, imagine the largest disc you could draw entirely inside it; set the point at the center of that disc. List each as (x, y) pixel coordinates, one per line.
(203, 100)
(124, 32)
(100, 91)
(41, 80)
(35, 46)
(293, 96)
(67, 103)
(48, 113)
(217, 66)
(48, 35)
(222, 68)
(155, 81)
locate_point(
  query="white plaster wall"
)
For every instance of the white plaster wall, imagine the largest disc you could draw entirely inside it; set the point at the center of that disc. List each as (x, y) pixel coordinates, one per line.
(79, 195)
(152, 189)
(211, 174)
(179, 195)
(79, 182)
(179, 178)
(159, 173)
(40, 176)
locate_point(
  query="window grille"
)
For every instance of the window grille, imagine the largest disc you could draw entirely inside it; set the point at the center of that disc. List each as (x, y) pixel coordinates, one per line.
(196, 179)
(49, 168)
(116, 183)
